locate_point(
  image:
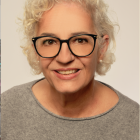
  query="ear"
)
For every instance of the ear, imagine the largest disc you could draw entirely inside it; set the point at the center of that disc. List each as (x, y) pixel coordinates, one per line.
(37, 56)
(104, 47)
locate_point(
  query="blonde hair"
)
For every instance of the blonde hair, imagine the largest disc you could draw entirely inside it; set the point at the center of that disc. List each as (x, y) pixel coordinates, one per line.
(33, 11)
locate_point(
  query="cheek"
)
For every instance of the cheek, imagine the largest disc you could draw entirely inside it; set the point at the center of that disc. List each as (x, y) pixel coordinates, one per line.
(92, 65)
(90, 62)
(89, 68)
(44, 63)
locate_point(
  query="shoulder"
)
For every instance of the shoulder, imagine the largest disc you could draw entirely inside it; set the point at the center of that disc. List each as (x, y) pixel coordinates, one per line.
(124, 101)
(125, 116)
(126, 113)
(16, 93)
(128, 106)
(16, 104)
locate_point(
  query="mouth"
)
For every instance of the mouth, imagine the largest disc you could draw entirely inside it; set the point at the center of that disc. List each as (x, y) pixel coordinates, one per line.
(67, 72)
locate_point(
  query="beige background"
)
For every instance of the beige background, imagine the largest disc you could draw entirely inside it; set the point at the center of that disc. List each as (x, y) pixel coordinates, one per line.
(124, 74)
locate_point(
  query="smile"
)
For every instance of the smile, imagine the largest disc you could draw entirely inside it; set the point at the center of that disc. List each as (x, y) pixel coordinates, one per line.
(67, 72)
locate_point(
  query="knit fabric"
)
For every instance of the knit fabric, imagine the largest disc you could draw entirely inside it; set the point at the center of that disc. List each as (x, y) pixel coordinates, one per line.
(24, 118)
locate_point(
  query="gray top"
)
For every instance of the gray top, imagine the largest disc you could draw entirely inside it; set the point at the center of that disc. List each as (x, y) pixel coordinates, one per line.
(24, 118)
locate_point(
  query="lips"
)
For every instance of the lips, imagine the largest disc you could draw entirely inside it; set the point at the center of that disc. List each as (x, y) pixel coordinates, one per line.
(67, 74)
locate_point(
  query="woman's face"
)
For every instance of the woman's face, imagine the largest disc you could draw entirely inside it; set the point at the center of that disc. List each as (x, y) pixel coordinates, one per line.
(63, 21)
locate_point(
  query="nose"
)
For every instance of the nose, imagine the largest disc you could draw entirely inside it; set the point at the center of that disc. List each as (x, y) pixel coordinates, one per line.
(65, 56)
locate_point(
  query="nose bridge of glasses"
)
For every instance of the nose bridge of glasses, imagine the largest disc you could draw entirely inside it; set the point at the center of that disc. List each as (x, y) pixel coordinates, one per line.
(64, 41)
(64, 54)
(65, 47)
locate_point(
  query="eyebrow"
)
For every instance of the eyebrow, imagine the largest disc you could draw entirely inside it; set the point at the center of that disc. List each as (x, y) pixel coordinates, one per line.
(79, 33)
(48, 34)
(72, 34)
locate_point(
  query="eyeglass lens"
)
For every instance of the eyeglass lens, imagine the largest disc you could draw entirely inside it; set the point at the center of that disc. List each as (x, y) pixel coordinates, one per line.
(81, 45)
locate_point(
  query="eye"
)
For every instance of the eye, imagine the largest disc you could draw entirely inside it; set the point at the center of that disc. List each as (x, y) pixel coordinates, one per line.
(81, 40)
(49, 42)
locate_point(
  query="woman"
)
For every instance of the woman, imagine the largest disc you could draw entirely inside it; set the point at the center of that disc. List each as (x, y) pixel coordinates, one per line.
(68, 41)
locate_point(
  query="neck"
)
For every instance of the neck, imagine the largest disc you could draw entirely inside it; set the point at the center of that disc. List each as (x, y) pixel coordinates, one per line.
(74, 104)
(94, 99)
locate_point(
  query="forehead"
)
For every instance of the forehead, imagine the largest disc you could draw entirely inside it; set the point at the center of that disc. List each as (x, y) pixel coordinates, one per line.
(65, 18)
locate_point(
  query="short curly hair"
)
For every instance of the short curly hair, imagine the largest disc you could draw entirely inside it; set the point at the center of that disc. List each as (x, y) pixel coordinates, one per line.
(98, 9)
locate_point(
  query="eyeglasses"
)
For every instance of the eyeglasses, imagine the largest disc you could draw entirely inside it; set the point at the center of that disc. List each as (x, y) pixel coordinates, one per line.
(79, 45)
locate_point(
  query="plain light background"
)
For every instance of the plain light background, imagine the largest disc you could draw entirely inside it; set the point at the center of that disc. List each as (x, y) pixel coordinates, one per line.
(124, 73)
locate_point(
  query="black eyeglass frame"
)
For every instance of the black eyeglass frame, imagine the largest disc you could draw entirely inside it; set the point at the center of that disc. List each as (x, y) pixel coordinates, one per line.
(62, 41)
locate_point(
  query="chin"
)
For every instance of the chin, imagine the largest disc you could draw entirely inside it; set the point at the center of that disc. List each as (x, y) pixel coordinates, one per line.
(68, 88)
